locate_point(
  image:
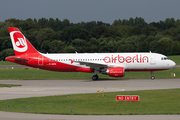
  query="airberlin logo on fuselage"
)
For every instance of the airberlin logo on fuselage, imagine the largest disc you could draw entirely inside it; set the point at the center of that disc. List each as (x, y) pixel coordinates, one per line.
(128, 59)
(18, 41)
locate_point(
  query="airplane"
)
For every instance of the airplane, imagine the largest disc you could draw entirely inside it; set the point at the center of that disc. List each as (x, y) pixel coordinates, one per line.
(112, 64)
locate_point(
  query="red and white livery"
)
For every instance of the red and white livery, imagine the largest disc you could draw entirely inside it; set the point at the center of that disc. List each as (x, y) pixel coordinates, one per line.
(112, 64)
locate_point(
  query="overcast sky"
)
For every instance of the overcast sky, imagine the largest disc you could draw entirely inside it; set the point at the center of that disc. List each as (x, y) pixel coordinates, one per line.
(90, 10)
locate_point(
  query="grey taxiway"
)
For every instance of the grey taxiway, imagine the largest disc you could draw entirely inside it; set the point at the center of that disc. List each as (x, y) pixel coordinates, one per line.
(36, 88)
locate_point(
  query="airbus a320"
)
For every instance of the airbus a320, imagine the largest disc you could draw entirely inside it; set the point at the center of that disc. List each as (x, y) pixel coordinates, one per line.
(112, 64)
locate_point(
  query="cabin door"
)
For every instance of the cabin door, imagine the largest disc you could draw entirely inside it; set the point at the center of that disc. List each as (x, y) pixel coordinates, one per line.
(40, 60)
(152, 59)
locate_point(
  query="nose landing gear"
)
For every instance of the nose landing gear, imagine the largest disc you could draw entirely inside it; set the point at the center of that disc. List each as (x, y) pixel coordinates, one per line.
(152, 76)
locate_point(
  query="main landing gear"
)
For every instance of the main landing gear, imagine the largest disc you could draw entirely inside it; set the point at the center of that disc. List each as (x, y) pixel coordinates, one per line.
(152, 76)
(95, 76)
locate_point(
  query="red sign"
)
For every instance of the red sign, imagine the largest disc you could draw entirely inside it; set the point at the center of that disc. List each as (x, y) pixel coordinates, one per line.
(127, 98)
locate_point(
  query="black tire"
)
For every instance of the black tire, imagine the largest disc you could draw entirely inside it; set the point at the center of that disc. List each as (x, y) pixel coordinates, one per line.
(152, 78)
(97, 77)
(94, 77)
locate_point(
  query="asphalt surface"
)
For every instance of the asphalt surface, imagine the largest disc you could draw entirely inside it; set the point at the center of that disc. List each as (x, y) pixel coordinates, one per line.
(34, 88)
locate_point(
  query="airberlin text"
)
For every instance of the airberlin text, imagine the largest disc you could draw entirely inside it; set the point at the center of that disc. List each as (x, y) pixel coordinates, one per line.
(128, 59)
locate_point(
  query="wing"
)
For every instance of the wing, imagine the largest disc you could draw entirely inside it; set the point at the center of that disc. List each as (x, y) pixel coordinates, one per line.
(98, 66)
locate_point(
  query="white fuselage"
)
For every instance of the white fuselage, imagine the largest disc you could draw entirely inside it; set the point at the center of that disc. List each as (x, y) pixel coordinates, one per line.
(130, 61)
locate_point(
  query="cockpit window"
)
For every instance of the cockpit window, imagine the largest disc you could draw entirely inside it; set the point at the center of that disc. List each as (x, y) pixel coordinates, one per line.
(164, 58)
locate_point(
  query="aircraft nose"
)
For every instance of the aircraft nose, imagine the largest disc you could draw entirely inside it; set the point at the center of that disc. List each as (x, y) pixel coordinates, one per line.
(173, 64)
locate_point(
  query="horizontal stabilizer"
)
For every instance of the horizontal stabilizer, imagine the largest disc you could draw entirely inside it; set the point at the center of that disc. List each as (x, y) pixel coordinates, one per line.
(15, 58)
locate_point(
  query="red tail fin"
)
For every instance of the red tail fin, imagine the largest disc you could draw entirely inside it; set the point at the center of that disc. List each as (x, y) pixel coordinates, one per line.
(20, 44)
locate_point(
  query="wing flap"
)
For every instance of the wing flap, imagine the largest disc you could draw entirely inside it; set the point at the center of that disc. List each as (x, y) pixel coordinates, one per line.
(91, 64)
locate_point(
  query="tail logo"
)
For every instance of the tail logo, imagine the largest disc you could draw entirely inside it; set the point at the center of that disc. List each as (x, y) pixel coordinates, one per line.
(18, 41)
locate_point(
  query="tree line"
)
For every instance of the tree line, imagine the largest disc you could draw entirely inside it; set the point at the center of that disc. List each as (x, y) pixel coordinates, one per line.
(128, 35)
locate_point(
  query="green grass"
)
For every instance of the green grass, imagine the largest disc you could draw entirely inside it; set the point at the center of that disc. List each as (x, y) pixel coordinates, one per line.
(8, 85)
(151, 102)
(33, 74)
(175, 58)
(7, 63)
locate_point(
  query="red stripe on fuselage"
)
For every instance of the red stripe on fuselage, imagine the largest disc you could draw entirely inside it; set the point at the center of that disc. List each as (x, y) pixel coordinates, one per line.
(42, 62)
(52, 65)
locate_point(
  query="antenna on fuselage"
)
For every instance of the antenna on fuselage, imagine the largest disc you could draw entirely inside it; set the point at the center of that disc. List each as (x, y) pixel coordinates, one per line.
(76, 52)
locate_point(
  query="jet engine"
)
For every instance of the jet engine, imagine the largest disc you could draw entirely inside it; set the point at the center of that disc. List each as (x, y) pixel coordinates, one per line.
(115, 72)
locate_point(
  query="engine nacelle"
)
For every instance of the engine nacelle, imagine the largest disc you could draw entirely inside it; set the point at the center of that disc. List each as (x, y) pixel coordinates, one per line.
(115, 72)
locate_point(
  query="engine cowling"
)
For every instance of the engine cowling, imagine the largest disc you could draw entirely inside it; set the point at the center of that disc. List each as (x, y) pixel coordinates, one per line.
(115, 72)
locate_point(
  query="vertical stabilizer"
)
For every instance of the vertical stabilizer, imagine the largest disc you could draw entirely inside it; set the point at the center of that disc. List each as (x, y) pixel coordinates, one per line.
(20, 44)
